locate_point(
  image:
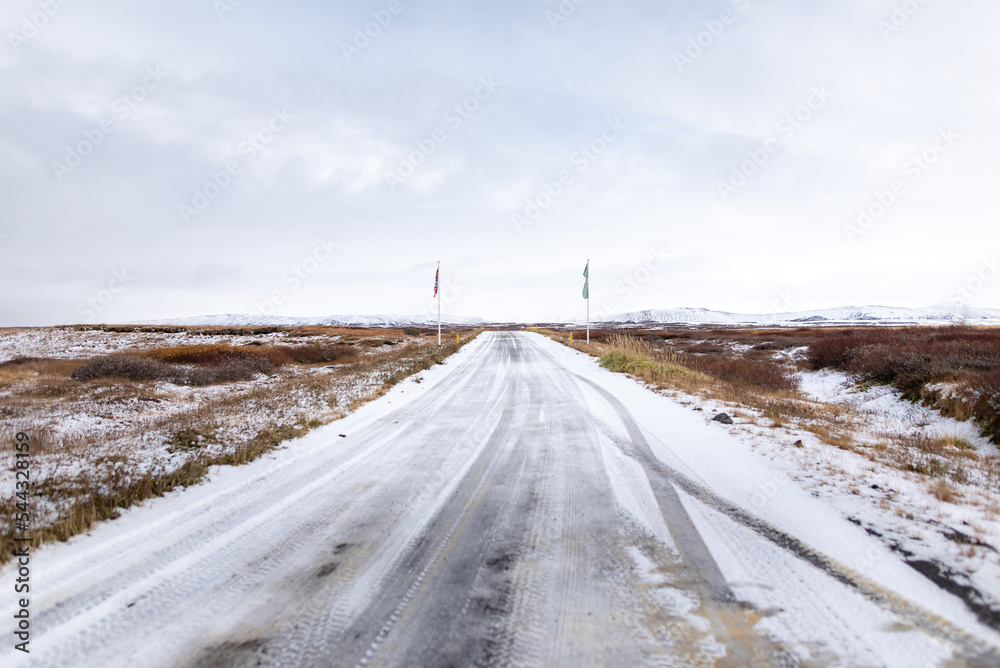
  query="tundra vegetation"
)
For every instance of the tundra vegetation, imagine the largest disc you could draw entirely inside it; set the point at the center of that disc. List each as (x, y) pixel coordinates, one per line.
(119, 414)
(954, 371)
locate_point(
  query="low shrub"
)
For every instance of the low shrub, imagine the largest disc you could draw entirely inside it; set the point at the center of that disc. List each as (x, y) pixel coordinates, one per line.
(208, 354)
(317, 353)
(883, 355)
(762, 375)
(982, 392)
(129, 367)
(911, 359)
(707, 348)
(906, 370)
(831, 352)
(230, 371)
(596, 335)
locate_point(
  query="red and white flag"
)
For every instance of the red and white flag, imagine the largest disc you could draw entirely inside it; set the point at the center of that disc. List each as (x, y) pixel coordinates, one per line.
(437, 275)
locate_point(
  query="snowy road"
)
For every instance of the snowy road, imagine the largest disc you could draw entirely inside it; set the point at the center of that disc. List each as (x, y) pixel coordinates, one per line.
(519, 507)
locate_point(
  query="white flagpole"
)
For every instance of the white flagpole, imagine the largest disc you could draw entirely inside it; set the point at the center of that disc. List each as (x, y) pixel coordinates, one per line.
(588, 301)
(436, 287)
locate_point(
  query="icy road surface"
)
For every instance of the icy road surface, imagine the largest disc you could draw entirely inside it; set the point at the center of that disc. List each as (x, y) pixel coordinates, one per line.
(521, 506)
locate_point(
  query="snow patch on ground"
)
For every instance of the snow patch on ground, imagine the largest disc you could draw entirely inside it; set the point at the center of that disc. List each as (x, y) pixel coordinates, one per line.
(884, 409)
(868, 516)
(136, 427)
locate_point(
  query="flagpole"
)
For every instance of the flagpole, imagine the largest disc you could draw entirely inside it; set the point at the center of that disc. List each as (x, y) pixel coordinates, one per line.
(588, 301)
(439, 303)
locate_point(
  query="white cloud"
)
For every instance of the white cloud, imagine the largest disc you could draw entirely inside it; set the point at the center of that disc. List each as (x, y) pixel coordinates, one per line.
(658, 184)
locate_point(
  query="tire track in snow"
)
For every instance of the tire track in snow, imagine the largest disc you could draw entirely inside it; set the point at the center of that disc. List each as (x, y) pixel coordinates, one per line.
(240, 526)
(477, 524)
(371, 562)
(700, 573)
(975, 652)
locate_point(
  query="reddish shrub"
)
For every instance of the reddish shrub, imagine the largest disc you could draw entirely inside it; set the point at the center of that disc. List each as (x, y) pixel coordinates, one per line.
(886, 355)
(230, 371)
(831, 352)
(910, 359)
(759, 375)
(309, 354)
(131, 367)
(982, 391)
(203, 354)
(128, 367)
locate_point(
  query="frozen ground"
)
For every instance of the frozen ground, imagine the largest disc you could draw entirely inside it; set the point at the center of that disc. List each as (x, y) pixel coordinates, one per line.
(72, 343)
(521, 506)
(885, 411)
(100, 435)
(955, 543)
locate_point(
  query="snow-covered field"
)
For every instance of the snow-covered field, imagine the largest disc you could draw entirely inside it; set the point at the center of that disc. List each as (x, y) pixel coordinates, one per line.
(955, 541)
(522, 506)
(107, 434)
(74, 343)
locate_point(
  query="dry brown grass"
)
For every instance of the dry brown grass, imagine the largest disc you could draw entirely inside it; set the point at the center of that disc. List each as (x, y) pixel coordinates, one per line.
(627, 354)
(759, 383)
(831, 436)
(17, 371)
(943, 491)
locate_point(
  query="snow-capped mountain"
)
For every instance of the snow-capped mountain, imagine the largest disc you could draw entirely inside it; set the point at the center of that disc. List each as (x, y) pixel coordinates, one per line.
(933, 315)
(258, 320)
(845, 314)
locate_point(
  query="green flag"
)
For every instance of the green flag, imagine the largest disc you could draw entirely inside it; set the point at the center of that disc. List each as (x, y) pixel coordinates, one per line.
(586, 282)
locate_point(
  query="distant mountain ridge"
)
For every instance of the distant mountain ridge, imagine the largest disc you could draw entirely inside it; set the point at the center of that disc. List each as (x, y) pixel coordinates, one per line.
(257, 320)
(933, 315)
(846, 314)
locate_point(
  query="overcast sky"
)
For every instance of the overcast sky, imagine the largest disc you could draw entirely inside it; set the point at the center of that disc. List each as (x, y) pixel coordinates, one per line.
(711, 154)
